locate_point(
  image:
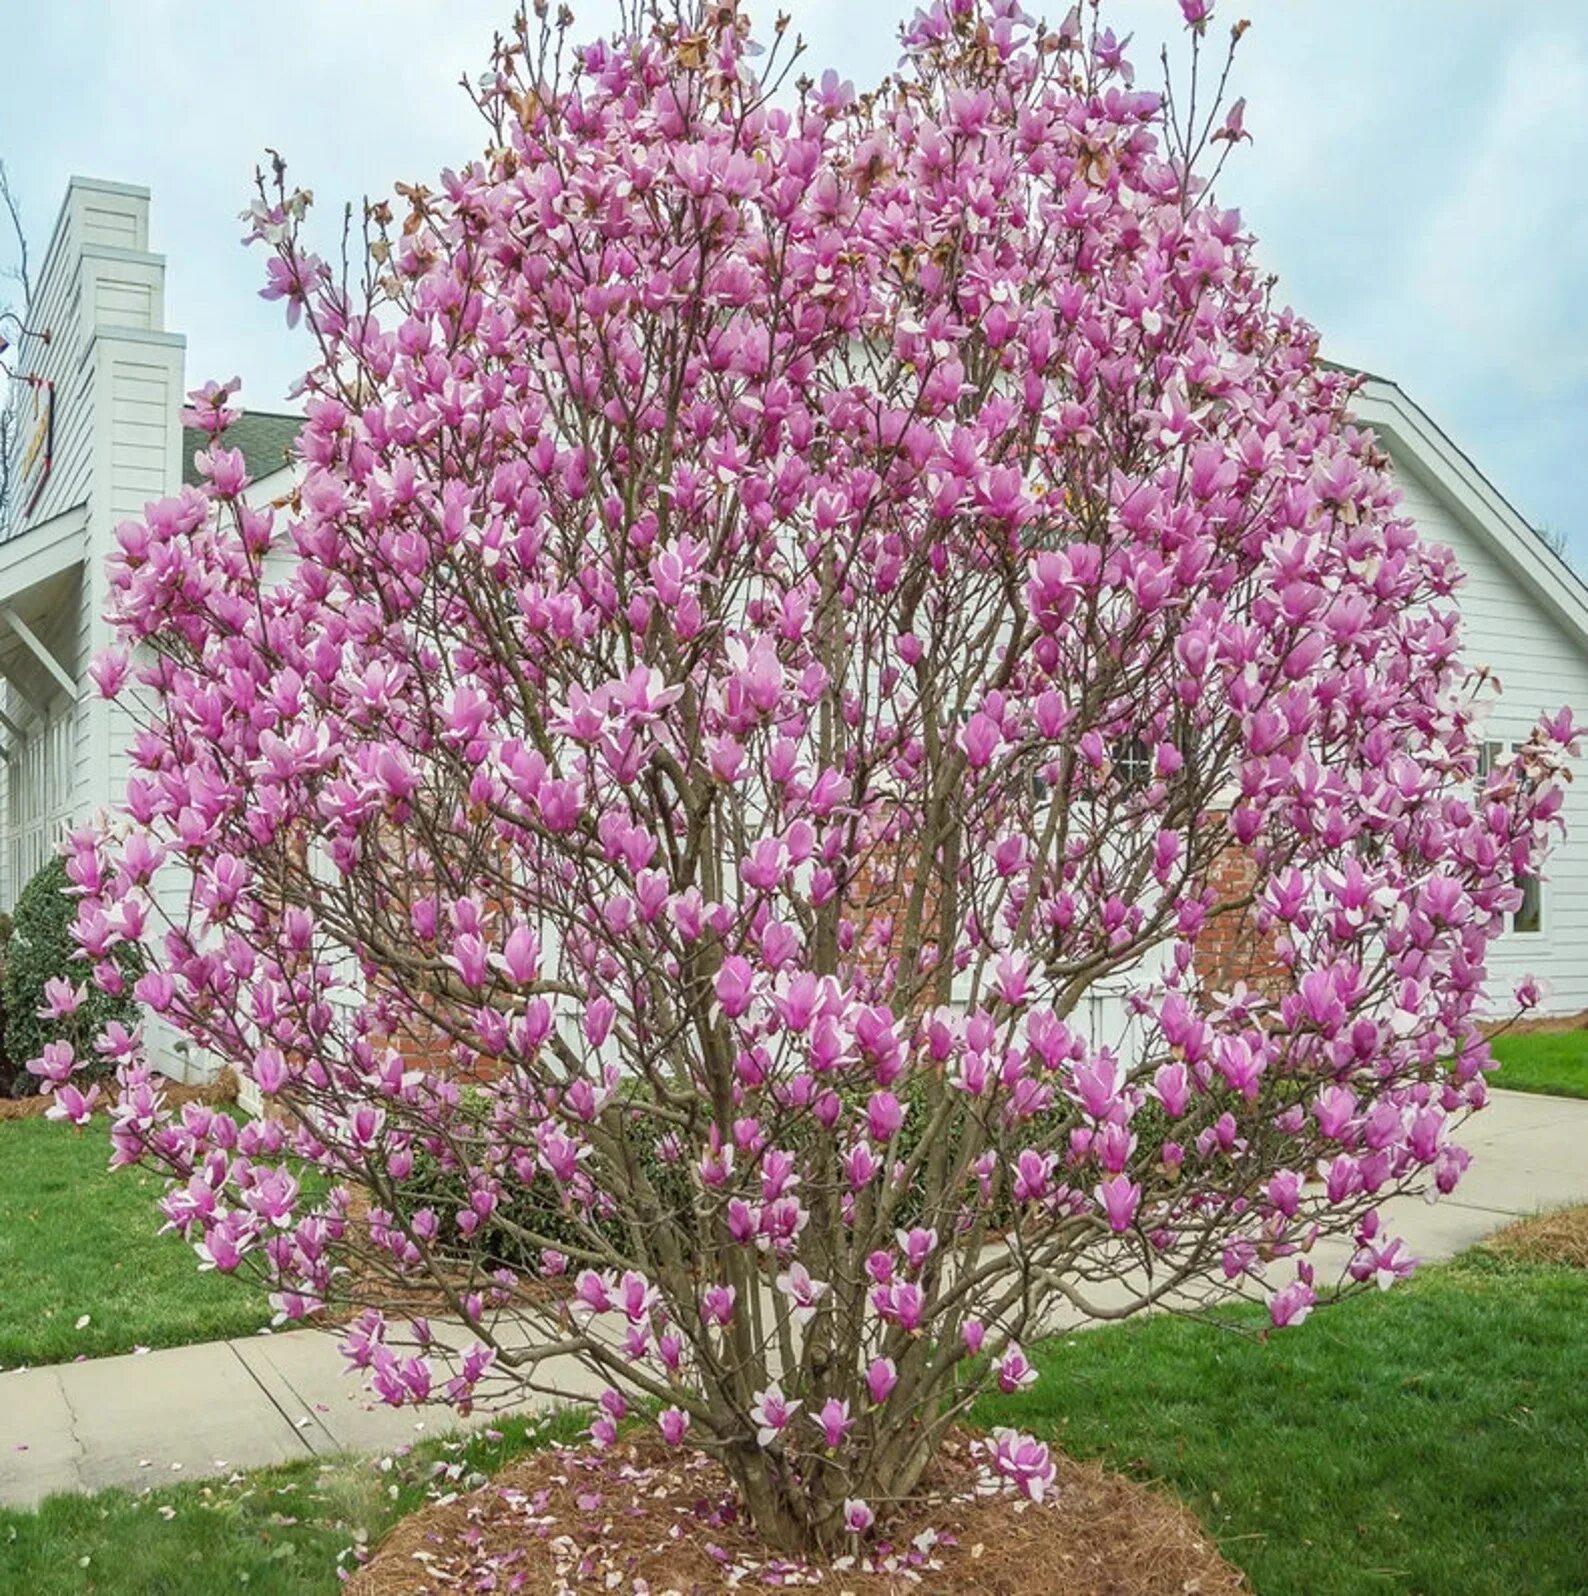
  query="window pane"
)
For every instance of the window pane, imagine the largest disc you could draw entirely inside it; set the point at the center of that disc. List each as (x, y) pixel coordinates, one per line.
(1132, 762)
(1529, 916)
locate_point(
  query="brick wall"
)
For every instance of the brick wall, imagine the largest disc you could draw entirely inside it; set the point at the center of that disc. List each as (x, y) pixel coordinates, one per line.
(1231, 949)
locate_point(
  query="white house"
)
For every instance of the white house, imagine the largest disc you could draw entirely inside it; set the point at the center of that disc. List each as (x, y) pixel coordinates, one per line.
(100, 385)
(103, 436)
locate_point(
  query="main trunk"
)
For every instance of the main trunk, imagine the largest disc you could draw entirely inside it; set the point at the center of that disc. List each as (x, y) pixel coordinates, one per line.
(800, 1520)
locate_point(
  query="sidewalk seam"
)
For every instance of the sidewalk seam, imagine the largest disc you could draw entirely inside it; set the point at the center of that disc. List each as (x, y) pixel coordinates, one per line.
(1483, 1208)
(270, 1397)
(310, 1411)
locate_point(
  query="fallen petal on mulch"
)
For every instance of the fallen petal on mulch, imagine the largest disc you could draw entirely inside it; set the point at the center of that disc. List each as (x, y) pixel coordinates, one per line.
(652, 1522)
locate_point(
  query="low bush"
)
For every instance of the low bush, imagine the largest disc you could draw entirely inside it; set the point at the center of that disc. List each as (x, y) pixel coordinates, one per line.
(41, 948)
(528, 1210)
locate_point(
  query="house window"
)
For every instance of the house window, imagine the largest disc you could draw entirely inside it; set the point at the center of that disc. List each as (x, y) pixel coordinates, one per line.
(1528, 918)
(1132, 762)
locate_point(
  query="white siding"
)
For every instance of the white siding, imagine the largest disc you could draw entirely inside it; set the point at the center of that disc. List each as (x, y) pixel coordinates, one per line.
(1542, 665)
(121, 304)
(38, 794)
(90, 705)
(104, 221)
(118, 387)
(60, 362)
(96, 274)
(141, 399)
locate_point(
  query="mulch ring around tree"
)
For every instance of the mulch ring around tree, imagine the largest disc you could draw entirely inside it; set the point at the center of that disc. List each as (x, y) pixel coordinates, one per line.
(652, 1522)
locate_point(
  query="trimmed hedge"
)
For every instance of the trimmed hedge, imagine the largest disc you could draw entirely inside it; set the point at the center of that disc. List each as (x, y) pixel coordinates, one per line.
(42, 949)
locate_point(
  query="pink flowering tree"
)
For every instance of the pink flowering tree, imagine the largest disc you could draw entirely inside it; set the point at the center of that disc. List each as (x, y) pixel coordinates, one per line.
(791, 594)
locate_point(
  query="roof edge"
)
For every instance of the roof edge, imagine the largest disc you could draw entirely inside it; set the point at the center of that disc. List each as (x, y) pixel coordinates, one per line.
(1385, 406)
(106, 185)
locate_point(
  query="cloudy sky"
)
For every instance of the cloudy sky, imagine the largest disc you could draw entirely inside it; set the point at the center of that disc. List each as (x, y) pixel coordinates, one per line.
(1416, 176)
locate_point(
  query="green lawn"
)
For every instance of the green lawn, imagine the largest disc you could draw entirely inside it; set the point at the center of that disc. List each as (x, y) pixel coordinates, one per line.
(1428, 1441)
(1434, 1439)
(280, 1531)
(1543, 1063)
(76, 1240)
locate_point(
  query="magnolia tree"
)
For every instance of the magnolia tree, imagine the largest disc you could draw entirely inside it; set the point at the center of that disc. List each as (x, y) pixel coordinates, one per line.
(789, 591)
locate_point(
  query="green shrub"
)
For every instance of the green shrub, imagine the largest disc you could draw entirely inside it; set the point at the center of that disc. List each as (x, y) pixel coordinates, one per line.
(41, 949)
(9, 1068)
(535, 1207)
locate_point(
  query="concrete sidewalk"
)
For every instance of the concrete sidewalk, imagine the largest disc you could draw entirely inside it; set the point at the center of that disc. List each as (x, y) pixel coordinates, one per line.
(205, 1410)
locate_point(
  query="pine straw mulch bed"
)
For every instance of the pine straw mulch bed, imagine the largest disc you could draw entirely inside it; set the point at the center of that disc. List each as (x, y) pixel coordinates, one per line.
(1539, 1025)
(644, 1520)
(1558, 1237)
(217, 1093)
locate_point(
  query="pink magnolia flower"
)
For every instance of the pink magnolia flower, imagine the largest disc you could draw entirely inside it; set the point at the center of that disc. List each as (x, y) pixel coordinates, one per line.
(1033, 1175)
(109, 671)
(1015, 1373)
(881, 1378)
(858, 1517)
(917, 1244)
(735, 986)
(861, 1165)
(804, 1294)
(1171, 1086)
(520, 955)
(884, 1115)
(638, 1298)
(54, 1065)
(1335, 1108)
(61, 998)
(591, 1294)
(1284, 1191)
(1292, 1305)
(980, 740)
(716, 1305)
(1119, 1196)
(1024, 1460)
(73, 1106)
(1097, 1083)
(1384, 1263)
(771, 1412)
(294, 281)
(835, 1422)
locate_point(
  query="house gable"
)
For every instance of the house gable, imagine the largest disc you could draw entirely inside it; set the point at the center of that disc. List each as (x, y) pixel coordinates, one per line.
(1524, 615)
(1431, 467)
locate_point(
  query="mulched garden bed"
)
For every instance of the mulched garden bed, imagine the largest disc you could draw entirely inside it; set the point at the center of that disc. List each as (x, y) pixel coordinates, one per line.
(1557, 1237)
(1538, 1025)
(216, 1093)
(652, 1522)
